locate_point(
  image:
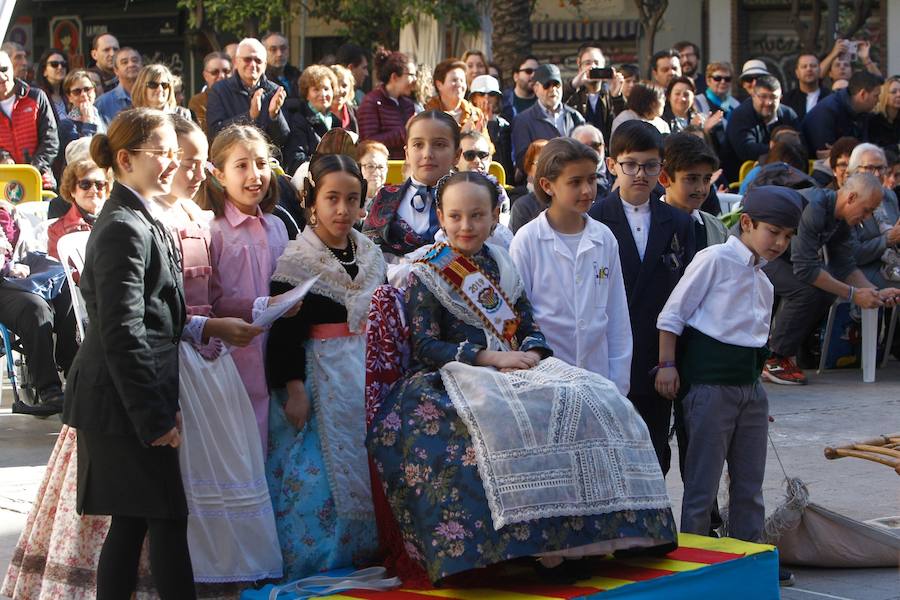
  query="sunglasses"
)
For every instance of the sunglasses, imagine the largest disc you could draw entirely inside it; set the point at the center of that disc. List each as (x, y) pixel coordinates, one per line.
(99, 184)
(527, 71)
(596, 145)
(215, 72)
(81, 90)
(471, 155)
(158, 84)
(251, 59)
(721, 78)
(57, 63)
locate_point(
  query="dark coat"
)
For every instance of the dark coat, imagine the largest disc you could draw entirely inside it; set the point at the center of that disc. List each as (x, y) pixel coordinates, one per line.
(747, 135)
(606, 110)
(648, 283)
(384, 120)
(229, 102)
(500, 131)
(796, 99)
(124, 380)
(306, 133)
(833, 118)
(534, 124)
(884, 133)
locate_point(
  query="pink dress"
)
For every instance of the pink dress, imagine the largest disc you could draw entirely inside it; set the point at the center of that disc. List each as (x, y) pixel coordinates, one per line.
(243, 253)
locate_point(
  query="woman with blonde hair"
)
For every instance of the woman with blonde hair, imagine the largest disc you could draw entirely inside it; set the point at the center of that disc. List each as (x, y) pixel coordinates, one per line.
(342, 106)
(155, 88)
(884, 128)
(450, 85)
(313, 118)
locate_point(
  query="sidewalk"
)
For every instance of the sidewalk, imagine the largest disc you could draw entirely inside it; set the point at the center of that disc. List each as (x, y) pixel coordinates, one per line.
(835, 408)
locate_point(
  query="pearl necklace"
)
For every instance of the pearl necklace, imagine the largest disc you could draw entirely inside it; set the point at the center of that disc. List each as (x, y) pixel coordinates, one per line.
(338, 258)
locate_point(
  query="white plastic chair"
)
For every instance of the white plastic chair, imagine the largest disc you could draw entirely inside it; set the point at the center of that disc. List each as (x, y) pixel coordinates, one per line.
(71, 249)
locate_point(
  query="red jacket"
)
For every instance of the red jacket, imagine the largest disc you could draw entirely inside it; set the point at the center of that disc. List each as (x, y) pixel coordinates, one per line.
(384, 120)
(30, 135)
(68, 223)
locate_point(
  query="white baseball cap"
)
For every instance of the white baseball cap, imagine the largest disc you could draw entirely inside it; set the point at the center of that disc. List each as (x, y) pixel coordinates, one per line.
(485, 84)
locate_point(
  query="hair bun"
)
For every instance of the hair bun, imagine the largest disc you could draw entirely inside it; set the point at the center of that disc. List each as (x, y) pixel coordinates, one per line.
(101, 151)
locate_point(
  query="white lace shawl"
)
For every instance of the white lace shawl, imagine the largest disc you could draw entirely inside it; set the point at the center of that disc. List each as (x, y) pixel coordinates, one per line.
(307, 256)
(510, 283)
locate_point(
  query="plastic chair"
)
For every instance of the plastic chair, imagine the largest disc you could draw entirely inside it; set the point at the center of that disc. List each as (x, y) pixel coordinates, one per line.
(395, 172)
(497, 170)
(20, 183)
(71, 248)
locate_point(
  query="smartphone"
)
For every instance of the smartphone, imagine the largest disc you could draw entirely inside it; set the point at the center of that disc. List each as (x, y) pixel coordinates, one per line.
(853, 51)
(605, 73)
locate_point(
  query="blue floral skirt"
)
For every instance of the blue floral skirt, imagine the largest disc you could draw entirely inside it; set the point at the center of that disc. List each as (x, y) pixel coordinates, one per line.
(313, 536)
(427, 464)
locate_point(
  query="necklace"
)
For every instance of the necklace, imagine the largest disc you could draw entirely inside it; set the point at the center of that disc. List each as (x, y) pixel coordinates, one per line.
(337, 254)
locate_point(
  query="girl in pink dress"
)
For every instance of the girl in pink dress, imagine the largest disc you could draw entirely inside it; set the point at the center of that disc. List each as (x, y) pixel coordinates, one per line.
(245, 242)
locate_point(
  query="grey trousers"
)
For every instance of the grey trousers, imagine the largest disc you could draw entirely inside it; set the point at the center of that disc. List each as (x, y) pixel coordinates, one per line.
(725, 423)
(800, 311)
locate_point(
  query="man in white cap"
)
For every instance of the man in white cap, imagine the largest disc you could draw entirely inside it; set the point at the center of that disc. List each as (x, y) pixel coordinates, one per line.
(485, 94)
(752, 69)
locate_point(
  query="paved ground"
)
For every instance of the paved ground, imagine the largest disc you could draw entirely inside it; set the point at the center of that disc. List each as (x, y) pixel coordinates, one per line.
(836, 407)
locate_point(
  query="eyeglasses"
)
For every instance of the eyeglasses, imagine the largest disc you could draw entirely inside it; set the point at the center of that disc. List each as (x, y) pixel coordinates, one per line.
(872, 168)
(596, 145)
(631, 169)
(164, 152)
(99, 184)
(374, 167)
(215, 72)
(471, 155)
(251, 59)
(158, 84)
(81, 90)
(527, 71)
(57, 63)
(721, 78)
(768, 97)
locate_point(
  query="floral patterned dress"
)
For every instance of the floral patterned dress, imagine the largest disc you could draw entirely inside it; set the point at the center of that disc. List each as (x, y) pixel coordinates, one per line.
(425, 458)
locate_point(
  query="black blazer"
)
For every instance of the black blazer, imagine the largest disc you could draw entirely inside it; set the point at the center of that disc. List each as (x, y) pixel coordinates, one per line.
(670, 247)
(125, 376)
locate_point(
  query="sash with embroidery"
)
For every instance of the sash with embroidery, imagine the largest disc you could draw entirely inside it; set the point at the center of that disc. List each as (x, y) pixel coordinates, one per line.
(486, 299)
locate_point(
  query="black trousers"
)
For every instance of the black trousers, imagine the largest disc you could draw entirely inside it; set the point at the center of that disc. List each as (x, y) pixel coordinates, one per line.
(800, 311)
(35, 320)
(657, 414)
(170, 561)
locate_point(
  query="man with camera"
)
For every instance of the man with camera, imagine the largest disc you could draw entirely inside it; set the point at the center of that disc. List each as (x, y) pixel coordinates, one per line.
(596, 91)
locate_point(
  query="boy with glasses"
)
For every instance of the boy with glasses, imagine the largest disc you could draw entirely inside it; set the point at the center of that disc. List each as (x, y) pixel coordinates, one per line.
(656, 242)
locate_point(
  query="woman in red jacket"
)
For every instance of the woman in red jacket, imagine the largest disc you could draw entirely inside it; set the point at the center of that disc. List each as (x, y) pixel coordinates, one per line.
(86, 187)
(385, 110)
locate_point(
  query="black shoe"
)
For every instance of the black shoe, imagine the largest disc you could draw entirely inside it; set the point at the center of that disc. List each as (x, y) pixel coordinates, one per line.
(35, 410)
(579, 569)
(52, 397)
(785, 577)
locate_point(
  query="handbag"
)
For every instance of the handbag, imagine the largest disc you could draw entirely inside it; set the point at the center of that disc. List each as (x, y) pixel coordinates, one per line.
(47, 276)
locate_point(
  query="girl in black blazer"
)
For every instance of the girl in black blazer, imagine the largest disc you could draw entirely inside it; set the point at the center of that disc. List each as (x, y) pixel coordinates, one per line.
(122, 391)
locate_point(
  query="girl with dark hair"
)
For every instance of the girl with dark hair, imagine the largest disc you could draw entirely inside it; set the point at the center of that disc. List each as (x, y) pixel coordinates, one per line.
(51, 70)
(646, 102)
(318, 466)
(384, 111)
(404, 218)
(444, 439)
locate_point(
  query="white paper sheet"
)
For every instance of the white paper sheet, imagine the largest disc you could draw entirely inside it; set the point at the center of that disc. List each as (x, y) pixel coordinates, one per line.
(286, 302)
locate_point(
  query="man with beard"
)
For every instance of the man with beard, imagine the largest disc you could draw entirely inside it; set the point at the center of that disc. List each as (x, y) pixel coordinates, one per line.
(548, 118)
(521, 96)
(809, 90)
(689, 56)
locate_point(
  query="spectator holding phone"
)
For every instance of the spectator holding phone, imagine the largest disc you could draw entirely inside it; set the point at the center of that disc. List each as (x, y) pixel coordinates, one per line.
(596, 91)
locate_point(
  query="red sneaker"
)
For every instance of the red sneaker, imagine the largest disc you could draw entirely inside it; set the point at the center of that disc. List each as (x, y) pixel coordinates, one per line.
(783, 371)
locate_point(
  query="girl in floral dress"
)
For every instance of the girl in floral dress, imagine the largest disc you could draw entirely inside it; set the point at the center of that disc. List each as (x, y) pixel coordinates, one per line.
(317, 466)
(490, 450)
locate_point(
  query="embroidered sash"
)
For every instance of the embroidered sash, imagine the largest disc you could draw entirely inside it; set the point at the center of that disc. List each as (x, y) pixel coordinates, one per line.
(482, 295)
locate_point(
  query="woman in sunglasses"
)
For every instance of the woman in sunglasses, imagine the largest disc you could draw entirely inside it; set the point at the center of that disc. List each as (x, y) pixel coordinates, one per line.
(86, 187)
(83, 119)
(51, 71)
(718, 91)
(155, 88)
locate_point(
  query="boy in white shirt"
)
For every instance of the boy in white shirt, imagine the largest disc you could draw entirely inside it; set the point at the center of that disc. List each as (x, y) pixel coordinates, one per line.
(721, 309)
(570, 266)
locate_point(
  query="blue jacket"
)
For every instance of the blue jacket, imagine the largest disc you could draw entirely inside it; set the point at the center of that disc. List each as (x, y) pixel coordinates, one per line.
(229, 102)
(833, 118)
(113, 102)
(747, 135)
(534, 124)
(648, 283)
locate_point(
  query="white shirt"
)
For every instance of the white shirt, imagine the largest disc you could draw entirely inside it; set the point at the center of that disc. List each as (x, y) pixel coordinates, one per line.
(724, 294)
(812, 99)
(639, 222)
(7, 105)
(579, 303)
(419, 221)
(558, 117)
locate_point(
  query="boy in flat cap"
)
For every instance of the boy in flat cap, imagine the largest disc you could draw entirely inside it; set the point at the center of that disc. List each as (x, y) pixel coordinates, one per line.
(721, 310)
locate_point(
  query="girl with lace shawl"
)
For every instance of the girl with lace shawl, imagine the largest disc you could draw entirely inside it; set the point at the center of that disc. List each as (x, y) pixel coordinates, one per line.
(317, 467)
(489, 449)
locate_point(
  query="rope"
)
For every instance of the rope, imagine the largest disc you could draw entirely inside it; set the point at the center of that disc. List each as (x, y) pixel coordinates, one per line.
(788, 514)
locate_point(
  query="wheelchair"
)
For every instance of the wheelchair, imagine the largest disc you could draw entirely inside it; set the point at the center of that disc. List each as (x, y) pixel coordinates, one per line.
(25, 400)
